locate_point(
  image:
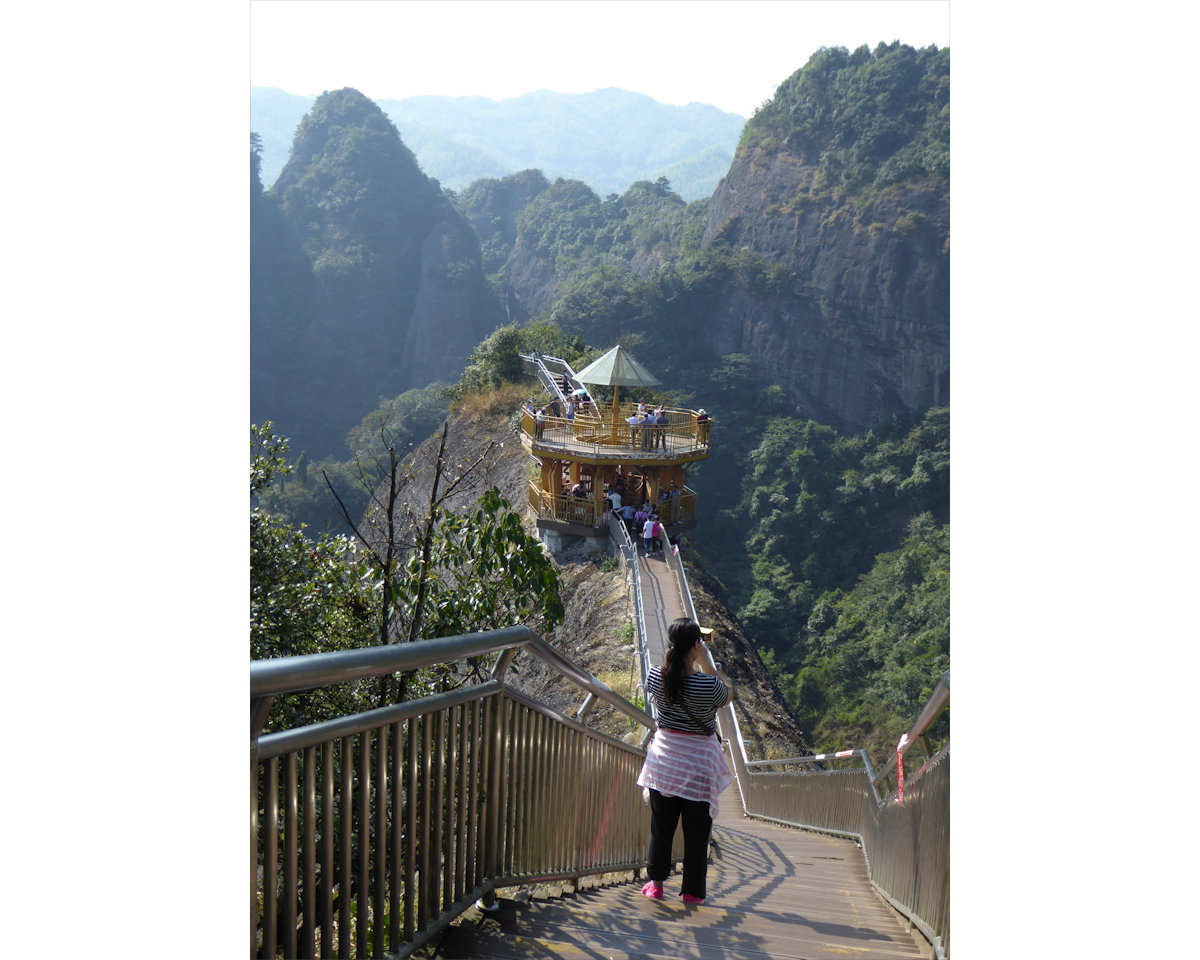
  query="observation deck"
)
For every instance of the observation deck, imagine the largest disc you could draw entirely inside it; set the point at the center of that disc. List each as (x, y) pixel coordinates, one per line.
(588, 447)
(601, 450)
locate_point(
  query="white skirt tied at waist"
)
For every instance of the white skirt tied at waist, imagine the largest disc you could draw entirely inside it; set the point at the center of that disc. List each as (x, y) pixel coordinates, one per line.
(686, 765)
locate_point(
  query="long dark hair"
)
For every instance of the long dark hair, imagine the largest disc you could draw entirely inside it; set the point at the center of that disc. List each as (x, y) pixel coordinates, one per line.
(682, 634)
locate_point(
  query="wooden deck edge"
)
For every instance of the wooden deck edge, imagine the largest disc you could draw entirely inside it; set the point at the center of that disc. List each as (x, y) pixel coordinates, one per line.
(923, 938)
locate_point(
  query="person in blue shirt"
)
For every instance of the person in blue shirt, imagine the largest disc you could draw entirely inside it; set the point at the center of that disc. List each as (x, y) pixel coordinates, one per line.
(660, 433)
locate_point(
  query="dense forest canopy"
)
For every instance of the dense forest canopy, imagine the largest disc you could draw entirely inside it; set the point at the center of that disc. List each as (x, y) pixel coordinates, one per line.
(867, 118)
(352, 188)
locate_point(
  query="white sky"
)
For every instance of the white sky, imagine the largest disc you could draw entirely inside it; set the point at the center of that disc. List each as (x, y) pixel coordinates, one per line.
(729, 54)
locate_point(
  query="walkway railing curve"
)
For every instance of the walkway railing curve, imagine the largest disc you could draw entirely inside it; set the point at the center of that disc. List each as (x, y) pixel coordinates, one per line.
(627, 551)
(905, 839)
(370, 833)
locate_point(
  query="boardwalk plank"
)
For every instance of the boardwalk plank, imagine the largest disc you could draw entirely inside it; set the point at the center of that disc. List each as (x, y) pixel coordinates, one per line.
(773, 892)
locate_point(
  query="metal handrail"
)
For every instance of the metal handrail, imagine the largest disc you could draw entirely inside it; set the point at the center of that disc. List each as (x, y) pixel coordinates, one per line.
(938, 701)
(371, 832)
(290, 674)
(618, 532)
(675, 563)
(548, 380)
(906, 846)
(580, 433)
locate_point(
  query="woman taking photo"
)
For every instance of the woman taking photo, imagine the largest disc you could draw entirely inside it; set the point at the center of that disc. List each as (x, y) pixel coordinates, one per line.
(685, 769)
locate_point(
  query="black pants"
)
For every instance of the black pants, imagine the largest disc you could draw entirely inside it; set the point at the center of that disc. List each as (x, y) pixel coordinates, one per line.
(697, 824)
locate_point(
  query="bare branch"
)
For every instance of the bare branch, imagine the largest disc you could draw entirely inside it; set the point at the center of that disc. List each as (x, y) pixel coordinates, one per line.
(463, 476)
(346, 516)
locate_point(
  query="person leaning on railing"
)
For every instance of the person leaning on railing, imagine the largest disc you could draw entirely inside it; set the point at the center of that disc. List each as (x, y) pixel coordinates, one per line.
(660, 432)
(685, 770)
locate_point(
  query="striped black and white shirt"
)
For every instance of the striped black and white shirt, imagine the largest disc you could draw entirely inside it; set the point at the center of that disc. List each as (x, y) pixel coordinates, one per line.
(703, 693)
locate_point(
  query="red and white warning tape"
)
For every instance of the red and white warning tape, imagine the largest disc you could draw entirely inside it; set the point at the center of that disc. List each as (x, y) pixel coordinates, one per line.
(834, 756)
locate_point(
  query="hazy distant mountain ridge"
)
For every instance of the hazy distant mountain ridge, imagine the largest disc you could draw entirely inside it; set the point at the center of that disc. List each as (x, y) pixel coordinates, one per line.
(608, 138)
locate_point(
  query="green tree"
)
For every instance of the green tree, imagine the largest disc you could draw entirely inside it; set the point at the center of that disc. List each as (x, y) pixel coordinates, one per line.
(306, 596)
(448, 573)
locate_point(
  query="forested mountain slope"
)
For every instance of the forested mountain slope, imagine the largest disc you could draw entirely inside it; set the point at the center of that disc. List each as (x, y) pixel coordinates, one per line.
(844, 179)
(823, 255)
(365, 280)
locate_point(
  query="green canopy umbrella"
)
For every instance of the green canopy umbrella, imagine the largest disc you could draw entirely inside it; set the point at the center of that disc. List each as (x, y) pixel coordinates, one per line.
(617, 369)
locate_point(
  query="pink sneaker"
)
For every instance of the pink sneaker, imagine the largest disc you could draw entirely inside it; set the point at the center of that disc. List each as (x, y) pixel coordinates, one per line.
(652, 890)
(688, 898)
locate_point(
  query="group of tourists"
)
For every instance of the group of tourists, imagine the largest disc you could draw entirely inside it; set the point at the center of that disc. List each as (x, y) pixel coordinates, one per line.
(668, 502)
(649, 427)
(644, 523)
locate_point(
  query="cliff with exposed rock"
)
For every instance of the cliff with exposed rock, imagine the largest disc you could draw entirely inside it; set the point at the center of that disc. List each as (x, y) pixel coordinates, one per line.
(397, 293)
(855, 203)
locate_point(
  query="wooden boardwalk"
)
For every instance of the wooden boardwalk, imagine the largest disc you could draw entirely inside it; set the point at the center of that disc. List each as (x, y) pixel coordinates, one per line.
(773, 892)
(660, 601)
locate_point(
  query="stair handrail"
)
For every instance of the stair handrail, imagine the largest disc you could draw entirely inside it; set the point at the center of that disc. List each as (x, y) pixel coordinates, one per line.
(291, 674)
(934, 707)
(619, 534)
(550, 382)
(501, 746)
(894, 883)
(675, 564)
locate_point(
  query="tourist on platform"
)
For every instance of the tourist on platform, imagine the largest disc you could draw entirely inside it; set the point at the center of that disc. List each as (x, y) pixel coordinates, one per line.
(633, 422)
(647, 425)
(685, 771)
(541, 422)
(662, 420)
(702, 427)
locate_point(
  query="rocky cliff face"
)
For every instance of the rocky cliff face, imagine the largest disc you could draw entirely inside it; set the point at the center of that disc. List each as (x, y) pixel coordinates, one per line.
(398, 294)
(865, 330)
(530, 281)
(452, 310)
